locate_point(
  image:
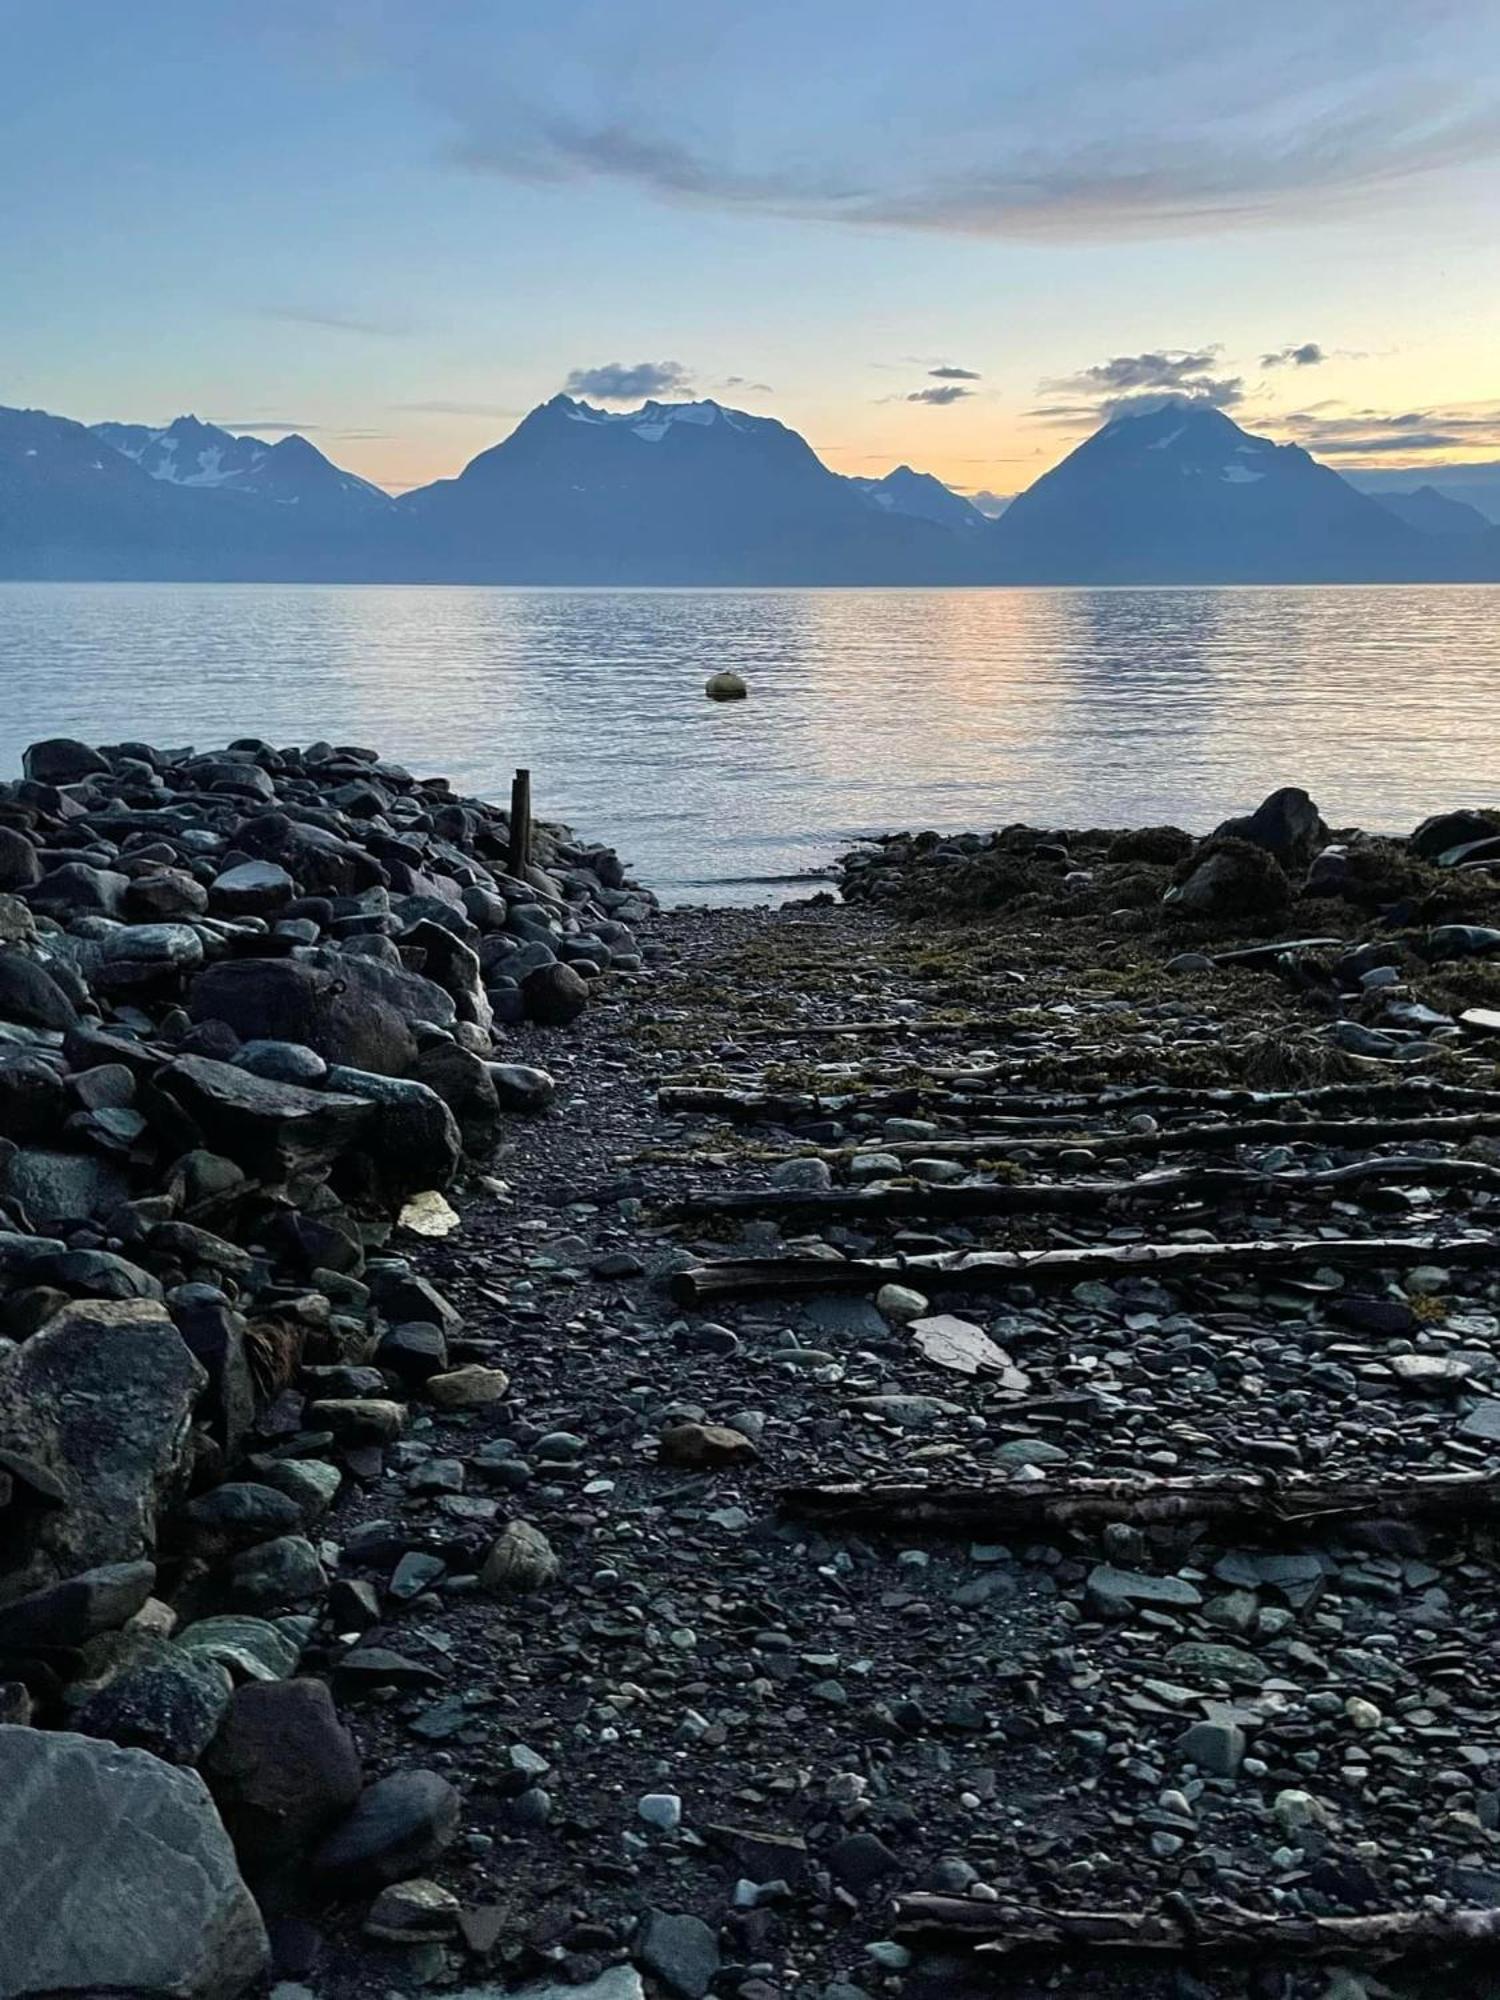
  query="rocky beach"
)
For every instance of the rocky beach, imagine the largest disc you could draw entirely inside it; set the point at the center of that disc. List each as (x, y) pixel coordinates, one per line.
(939, 1442)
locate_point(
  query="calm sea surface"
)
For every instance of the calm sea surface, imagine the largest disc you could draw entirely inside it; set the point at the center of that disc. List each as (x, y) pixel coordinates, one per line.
(869, 710)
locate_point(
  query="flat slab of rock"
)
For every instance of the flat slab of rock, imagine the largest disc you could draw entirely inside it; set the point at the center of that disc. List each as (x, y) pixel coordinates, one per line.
(119, 1876)
(103, 1398)
(265, 1126)
(950, 1342)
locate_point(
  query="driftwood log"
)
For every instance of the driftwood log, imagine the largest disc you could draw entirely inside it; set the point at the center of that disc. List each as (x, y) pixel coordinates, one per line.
(994, 1929)
(1084, 1197)
(747, 1102)
(989, 1270)
(1239, 1500)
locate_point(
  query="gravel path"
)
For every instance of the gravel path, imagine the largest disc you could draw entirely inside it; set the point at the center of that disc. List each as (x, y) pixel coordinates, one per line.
(759, 1732)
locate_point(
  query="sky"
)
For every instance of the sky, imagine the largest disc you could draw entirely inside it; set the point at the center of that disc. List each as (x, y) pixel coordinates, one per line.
(956, 236)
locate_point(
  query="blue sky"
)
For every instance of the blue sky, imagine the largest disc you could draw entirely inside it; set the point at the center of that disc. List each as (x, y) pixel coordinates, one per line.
(954, 236)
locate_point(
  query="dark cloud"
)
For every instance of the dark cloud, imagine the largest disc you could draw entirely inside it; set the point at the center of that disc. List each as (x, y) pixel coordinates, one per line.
(956, 374)
(243, 427)
(1356, 435)
(743, 382)
(1128, 384)
(627, 382)
(951, 392)
(1308, 355)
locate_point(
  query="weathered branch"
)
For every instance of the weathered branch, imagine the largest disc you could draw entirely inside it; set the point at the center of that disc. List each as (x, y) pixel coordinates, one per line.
(1081, 1197)
(987, 1270)
(1232, 1499)
(993, 1929)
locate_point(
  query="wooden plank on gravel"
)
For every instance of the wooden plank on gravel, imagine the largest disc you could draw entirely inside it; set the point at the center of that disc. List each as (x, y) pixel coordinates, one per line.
(1232, 1500)
(1194, 1184)
(990, 1270)
(995, 1930)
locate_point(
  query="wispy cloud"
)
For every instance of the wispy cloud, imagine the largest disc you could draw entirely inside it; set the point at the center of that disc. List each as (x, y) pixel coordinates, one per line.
(336, 322)
(1370, 436)
(947, 374)
(1308, 355)
(950, 392)
(248, 425)
(626, 382)
(1159, 121)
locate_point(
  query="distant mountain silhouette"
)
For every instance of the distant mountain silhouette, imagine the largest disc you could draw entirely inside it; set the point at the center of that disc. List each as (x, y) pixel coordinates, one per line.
(1434, 513)
(694, 493)
(921, 496)
(1181, 494)
(669, 493)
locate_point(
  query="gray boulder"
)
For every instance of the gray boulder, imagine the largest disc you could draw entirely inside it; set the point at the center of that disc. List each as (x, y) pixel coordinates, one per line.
(412, 1141)
(253, 889)
(141, 955)
(282, 1769)
(61, 1190)
(119, 1877)
(30, 995)
(76, 888)
(555, 995)
(102, 1397)
(19, 867)
(62, 760)
(168, 1701)
(338, 1012)
(72, 1612)
(520, 1087)
(398, 1826)
(270, 1128)
(33, 1098)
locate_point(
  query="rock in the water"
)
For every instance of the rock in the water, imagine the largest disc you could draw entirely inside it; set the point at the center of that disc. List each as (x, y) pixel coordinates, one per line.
(103, 1398)
(282, 1768)
(119, 1877)
(725, 686)
(397, 1827)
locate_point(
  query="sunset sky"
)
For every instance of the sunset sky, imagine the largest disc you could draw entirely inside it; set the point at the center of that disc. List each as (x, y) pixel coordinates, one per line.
(953, 236)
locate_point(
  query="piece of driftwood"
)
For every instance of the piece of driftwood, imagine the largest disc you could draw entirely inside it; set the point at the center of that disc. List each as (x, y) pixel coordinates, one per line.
(986, 1270)
(1220, 1138)
(1239, 1500)
(769, 1107)
(1226, 1097)
(1083, 1197)
(1212, 1929)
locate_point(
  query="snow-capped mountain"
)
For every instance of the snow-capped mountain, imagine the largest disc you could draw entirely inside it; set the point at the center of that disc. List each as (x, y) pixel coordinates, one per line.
(1181, 494)
(921, 496)
(291, 472)
(187, 500)
(668, 493)
(684, 493)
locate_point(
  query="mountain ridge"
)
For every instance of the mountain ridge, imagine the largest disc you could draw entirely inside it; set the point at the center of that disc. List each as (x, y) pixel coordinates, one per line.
(694, 492)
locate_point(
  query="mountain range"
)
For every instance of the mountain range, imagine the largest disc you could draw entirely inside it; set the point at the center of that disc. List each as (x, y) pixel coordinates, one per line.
(694, 493)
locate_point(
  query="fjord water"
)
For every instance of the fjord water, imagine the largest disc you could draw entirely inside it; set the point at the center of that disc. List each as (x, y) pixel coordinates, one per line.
(869, 710)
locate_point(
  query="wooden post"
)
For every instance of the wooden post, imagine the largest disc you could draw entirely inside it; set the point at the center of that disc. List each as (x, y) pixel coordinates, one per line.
(520, 825)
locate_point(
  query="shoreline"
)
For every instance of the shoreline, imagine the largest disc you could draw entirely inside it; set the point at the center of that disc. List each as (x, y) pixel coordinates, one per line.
(597, 1651)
